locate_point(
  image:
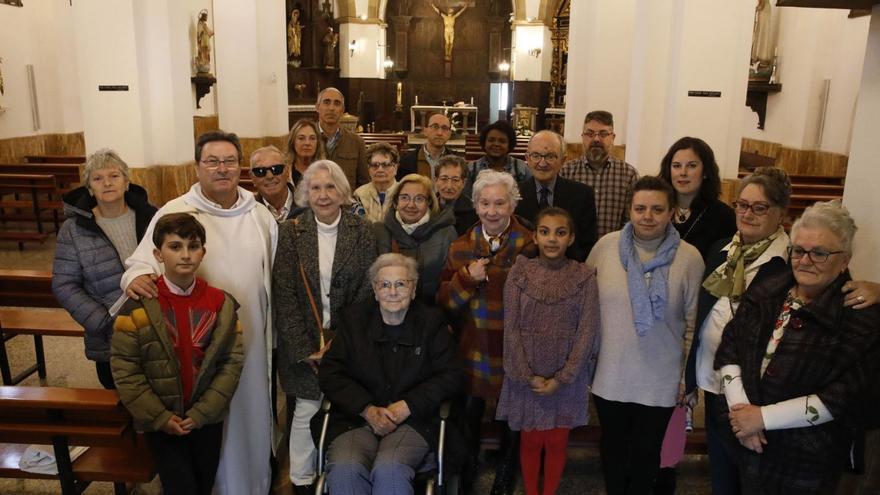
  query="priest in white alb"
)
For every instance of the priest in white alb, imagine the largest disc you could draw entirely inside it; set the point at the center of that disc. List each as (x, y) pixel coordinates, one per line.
(240, 246)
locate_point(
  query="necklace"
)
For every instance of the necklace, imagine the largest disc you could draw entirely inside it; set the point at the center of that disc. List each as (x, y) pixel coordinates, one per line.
(682, 214)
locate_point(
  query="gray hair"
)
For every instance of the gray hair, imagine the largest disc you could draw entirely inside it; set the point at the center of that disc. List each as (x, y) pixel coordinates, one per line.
(490, 177)
(556, 135)
(267, 149)
(452, 161)
(301, 195)
(394, 259)
(330, 88)
(830, 215)
(101, 159)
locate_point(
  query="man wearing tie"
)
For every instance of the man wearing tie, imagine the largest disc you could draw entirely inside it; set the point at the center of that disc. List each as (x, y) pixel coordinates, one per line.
(545, 156)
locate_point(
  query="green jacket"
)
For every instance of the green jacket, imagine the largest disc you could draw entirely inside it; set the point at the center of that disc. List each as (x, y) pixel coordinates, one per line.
(147, 372)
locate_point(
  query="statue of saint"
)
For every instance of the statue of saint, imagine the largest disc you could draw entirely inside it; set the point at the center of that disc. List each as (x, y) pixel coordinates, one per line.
(762, 39)
(330, 41)
(203, 44)
(294, 35)
(448, 28)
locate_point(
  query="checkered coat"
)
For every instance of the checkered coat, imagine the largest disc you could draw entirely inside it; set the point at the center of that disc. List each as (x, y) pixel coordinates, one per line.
(828, 350)
(477, 307)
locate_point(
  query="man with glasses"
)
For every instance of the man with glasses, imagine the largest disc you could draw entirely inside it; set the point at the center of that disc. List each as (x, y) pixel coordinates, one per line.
(271, 178)
(449, 184)
(611, 178)
(546, 188)
(241, 237)
(344, 147)
(424, 160)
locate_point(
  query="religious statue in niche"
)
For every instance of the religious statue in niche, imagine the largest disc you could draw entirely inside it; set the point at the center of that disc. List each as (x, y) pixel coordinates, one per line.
(203, 44)
(763, 52)
(327, 9)
(330, 40)
(294, 38)
(448, 27)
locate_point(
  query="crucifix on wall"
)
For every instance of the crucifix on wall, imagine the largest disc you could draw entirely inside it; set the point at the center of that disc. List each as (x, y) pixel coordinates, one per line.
(449, 16)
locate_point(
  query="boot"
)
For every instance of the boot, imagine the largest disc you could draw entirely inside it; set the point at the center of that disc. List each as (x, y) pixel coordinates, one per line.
(473, 413)
(303, 489)
(508, 463)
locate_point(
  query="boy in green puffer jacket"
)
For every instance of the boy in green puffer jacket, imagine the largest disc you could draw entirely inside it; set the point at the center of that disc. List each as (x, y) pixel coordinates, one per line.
(176, 360)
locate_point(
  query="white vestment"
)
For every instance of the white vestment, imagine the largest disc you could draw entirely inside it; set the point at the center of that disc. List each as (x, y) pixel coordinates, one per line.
(240, 246)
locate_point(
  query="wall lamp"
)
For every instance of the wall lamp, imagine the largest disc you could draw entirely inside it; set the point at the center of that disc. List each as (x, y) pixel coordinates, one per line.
(351, 47)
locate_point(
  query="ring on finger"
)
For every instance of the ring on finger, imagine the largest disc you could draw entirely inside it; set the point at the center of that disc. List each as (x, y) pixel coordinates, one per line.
(860, 299)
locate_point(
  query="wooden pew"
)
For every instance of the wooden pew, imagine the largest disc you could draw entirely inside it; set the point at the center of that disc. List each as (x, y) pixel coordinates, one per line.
(31, 289)
(750, 161)
(28, 203)
(67, 175)
(78, 159)
(473, 150)
(62, 417)
(398, 140)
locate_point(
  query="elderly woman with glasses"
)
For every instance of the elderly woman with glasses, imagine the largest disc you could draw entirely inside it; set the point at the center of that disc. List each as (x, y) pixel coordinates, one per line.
(472, 290)
(106, 218)
(416, 226)
(382, 159)
(320, 268)
(798, 369)
(390, 367)
(757, 251)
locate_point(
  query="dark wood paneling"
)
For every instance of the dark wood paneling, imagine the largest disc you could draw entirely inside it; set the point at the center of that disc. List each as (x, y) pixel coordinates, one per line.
(532, 94)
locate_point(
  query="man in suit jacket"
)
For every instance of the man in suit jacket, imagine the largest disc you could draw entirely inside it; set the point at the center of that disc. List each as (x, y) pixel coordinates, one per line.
(545, 156)
(344, 147)
(425, 159)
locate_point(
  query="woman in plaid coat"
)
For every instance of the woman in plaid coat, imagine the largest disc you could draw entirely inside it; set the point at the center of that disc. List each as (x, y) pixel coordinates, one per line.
(472, 290)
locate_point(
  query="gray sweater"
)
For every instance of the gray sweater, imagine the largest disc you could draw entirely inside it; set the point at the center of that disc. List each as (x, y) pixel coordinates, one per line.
(643, 370)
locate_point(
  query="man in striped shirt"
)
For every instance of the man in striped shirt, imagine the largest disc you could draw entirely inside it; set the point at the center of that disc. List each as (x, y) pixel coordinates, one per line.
(611, 178)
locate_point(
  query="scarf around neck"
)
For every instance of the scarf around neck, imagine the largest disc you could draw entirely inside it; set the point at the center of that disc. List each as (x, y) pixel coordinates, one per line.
(729, 279)
(647, 284)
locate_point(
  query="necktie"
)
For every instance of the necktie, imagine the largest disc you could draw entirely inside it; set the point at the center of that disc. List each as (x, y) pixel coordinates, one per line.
(543, 200)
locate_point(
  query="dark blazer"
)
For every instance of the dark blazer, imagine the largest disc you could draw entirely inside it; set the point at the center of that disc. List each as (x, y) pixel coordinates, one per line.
(366, 366)
(293, 319)
(465, 215)
(829, 350)
(706, 301)
(575, 198)
(409, 163)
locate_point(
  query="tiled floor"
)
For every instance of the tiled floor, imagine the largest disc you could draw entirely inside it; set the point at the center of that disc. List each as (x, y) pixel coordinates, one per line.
(68, 367)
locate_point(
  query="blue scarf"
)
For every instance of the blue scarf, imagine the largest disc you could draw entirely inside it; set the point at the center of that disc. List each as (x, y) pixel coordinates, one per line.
(648, 300)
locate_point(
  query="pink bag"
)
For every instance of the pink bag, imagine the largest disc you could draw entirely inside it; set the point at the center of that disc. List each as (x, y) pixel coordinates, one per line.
(675, 439)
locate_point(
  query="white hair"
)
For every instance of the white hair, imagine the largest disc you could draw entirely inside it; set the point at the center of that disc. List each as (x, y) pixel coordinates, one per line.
(830, 215)
(301, 195)
(493, 178)
(267, 149)
(394, 259)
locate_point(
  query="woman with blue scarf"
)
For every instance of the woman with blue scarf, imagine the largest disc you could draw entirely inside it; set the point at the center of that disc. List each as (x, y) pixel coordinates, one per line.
(649, 280)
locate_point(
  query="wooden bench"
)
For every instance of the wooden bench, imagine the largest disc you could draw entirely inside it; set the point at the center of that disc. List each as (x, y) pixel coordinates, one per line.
(31, 289)
(62, 417)
(474, 151)
(78, 159)
(67, 175)
(27, 204)
(399, 140)
(750, 161)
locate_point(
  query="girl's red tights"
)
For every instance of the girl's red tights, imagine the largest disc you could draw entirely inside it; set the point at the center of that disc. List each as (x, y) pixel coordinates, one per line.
(554, 443)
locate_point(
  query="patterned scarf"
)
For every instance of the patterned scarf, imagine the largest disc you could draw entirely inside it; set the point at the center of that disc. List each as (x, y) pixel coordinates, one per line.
(647, 284)
(729, 279)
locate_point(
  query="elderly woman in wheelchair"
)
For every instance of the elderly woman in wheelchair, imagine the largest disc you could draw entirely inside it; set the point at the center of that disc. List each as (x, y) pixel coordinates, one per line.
(390, 368)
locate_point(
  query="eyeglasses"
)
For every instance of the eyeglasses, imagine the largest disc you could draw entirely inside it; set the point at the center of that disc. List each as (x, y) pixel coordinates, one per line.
(276, 170)
(445, 178)
(548, 157)
(382, 165)
(591, 134)
(438, 127)
(817, 256)
(759, 208)
(213, 163)
(387, 285)
(418, 199)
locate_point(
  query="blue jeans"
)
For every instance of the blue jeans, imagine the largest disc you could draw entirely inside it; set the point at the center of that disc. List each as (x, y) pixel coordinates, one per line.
(361, 463)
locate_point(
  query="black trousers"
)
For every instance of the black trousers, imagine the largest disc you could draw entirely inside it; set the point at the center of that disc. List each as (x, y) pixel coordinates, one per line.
(187, 465)
(105, 376)
(632, 435)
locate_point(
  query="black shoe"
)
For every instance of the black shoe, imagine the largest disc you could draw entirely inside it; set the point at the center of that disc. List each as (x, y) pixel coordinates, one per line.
(505, 480)
(303, 489)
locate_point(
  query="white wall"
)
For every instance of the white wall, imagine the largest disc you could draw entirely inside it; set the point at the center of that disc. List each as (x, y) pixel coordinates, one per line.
(369, 51)
(860, 194)
(524, 66)
(814, 44)
(600, 47)
(39, 34)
